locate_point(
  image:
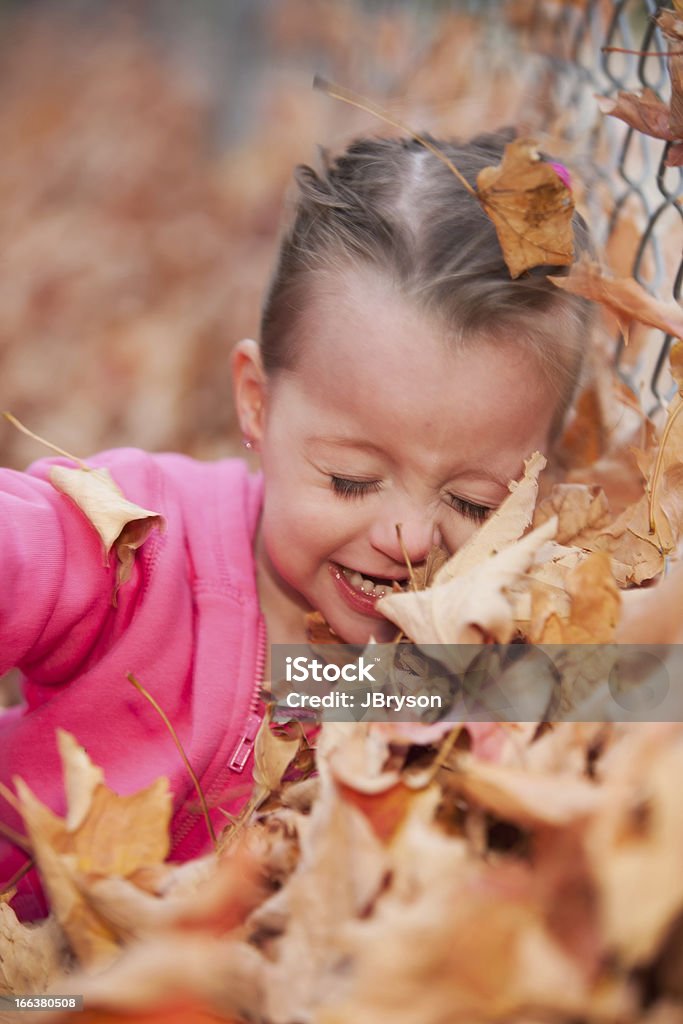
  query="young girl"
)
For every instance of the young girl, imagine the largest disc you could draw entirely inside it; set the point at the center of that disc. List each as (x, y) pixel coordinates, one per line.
(401, 377)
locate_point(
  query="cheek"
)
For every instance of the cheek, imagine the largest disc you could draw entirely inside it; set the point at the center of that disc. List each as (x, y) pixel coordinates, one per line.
(456, 531)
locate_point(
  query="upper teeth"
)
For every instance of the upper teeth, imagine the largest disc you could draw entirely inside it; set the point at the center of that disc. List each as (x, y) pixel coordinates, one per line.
(367, 586)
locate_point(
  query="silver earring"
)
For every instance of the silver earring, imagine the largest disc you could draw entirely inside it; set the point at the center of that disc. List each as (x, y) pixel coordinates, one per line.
(248, 444)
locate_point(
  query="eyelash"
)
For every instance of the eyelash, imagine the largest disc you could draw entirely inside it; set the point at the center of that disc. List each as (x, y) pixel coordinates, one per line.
(477, 513)
(353, 488)
(350, 489)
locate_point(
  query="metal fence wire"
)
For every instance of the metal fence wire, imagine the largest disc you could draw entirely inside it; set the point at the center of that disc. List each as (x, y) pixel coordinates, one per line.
(634, 199)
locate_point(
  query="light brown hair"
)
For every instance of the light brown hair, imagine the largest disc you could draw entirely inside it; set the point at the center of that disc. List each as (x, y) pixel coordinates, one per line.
(391, 205)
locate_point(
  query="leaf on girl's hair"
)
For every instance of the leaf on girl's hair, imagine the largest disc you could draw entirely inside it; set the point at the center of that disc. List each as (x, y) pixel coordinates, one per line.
(625, 299)
(102, 834)
(528, 201)
(531, 208)
(644, 111)
(120, 524)
(505, 526)
(471, 607)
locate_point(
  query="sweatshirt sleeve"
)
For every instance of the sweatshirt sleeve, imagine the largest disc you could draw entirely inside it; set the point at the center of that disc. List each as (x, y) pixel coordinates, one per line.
(55, 584)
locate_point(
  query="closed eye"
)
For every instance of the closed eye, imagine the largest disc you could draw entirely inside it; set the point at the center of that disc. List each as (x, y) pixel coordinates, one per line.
(353, 488)
(468, 509)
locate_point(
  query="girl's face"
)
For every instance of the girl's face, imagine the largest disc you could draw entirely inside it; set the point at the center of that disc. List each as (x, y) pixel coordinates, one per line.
(379, 424)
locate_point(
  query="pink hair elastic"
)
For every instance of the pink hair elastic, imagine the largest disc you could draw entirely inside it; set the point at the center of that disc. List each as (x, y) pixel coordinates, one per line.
(562, 172)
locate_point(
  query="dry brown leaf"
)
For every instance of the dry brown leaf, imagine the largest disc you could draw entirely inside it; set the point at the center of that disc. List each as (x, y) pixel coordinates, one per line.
(120, 524)
(636, 843)
(581, 512)
(627, 300)
(338, 876)
(356, 754)
(272, 757)
(112, 835)
(504, 527)
(672, 27)
(227, 976)
(480, 946)
(652, 615)
(636, 555)
(644, 111)
(526, 797)
(594, 608)
(583, 441)
(469, 607)
(531, 208)
(32, 955)
(317, 630)
(385, 811)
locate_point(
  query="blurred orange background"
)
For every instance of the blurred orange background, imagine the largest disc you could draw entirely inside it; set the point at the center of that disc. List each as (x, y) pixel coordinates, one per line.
(147, 149)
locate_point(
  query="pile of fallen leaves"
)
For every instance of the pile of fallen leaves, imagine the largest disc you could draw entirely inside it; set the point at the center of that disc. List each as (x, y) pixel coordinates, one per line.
(522, 874)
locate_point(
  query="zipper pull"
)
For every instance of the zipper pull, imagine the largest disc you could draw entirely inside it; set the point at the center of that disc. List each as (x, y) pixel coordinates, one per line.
(245, 744)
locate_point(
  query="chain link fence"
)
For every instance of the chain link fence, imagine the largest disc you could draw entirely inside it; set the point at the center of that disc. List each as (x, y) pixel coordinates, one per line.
(634, 199)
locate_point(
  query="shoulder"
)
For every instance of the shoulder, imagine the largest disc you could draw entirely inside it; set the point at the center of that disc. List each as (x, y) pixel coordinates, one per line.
(210, 509)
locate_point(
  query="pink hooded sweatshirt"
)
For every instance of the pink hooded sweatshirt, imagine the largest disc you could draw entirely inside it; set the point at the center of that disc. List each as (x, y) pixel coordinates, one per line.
(187, 624)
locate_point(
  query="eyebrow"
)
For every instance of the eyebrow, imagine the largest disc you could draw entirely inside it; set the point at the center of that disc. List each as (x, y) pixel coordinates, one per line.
(353, 442)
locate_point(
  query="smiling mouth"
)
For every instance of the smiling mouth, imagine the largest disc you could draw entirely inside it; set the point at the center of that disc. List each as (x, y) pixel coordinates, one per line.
(370, 586)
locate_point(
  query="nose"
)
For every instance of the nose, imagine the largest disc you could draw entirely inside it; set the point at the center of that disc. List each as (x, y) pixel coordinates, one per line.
(417, 535)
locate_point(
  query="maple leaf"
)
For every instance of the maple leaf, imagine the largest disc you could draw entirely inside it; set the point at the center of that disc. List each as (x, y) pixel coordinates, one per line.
(531, 208)
(471, 606)
(672, 27)
(102, 834)
(120, 524)
(644, 111)
(627, 300)
(32, 955)
(526, 797)
(272, 757)
(637, 841)
(651, 615)
(581, 511)
(594, 606)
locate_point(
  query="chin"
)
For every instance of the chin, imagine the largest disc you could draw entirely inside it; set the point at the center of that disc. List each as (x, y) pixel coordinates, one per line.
(359, 633)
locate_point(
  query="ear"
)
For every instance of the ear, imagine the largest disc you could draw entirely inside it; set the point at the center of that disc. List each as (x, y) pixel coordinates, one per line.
(249, 388)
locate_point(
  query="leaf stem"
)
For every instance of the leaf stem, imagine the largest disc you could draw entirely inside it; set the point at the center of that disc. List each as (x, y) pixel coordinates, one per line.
(195, 781)
(406, 556)
(642, 53)
(658, 464)
(338, 92)
(41, 440)
(17, 876)
(15, 837)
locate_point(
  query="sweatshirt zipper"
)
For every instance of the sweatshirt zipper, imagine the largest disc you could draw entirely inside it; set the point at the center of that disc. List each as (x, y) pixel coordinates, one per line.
(245, 744)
